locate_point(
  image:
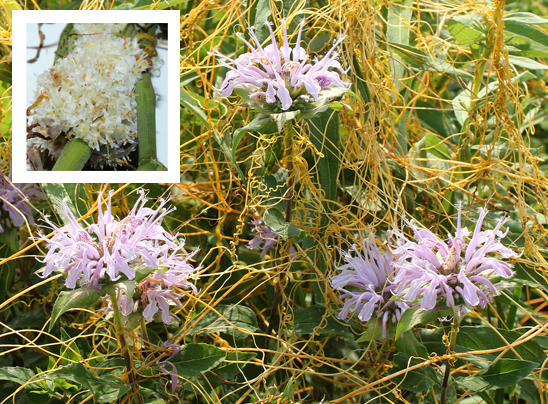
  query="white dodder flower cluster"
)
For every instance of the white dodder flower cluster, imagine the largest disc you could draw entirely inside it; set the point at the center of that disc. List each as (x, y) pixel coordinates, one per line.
(92, 28)
(91, 93)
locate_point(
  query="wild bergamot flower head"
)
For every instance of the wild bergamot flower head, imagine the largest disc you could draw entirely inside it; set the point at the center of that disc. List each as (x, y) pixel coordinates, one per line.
(457, 273)
(277, 79)
(366, 283)
(114, 248)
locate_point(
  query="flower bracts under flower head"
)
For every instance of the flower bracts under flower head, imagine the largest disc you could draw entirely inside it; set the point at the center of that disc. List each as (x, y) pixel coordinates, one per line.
(458, 272)
(273, 80)
(365, 281)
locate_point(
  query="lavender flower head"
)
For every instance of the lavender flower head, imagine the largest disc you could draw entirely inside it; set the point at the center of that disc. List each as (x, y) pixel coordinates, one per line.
(365, 281)
(112, 248)
(455, 274)
(16, 200)
(158, 289)
(268, 236)
(274, 80)
(265, 234)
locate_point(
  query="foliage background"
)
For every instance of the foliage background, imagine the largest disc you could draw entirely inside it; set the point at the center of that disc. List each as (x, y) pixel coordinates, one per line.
(415, 142)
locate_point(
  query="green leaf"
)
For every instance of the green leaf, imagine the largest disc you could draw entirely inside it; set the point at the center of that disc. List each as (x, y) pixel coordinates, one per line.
(5, 72)
(317, 256)
(397, 32)
(6, 102)
(262, 12)
(471, 338)
(237, 320)
(416, 315)
(33, 319)
(417, 380)
(506, 372)
(433, 118)
(485, 338)
(17, 374)
(75, 196)
(503, 373)
(195, 359)
(261, 123)
(374, 331)
(109, 366)
(283, 117)
(463, 30)
(313, 319)
(233, 363)
(461, 104)
(105, 389)
(410, 345)
(324, 135)
(189, 103)
(158, 5)
(526, 31)
(67, 300)
(526, 63)
(275, 221)
(424, 61)
(525, 18)
(226, 150)
(529, 391)
(437, 147)
(529, 277)
(69, 351)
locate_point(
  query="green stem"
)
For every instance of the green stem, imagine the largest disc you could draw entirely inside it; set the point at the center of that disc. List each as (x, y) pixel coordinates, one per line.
(124, 348)
(289, 132)
(450, 350)
(146, 122)
(144, 334)
(511, 318)
(74, 156)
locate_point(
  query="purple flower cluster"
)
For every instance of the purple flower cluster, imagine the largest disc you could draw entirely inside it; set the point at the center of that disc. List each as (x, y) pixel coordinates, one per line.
(425, 272)
(270, 238)
(265, 234)
(276, 79)
(114, 248)
(366, 283)
(16, 200)
(458, 272)
(157, 290)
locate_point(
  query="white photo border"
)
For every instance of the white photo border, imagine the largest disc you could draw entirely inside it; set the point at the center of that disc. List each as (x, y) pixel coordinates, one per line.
(19, 91)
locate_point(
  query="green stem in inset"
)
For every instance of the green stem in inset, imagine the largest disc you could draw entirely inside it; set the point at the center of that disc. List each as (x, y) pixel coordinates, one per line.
(74, 156)
(124, 348)
(146, 122)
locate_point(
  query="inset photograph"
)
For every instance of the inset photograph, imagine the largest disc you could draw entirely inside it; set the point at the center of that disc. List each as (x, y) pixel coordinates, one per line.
(96, 98)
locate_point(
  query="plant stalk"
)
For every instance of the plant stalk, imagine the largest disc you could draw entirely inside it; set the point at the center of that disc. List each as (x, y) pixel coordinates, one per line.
(74, 156)
(450, 350)
(289, 132)
(124, 348)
